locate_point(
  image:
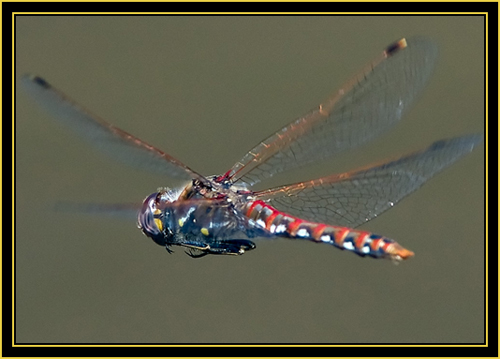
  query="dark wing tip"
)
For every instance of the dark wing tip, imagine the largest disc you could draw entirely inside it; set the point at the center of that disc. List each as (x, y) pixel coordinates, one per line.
(395, 47)
(29, 79)
(422, 47)
(463, 144)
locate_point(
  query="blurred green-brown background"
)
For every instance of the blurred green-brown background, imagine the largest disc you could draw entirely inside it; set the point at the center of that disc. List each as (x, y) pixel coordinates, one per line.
(206, 89)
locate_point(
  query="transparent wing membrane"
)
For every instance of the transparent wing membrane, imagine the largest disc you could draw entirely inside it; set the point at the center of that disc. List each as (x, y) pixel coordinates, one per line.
(211, 216)
(108, 138)
(351, 199)
(125, 211)
(365, 107)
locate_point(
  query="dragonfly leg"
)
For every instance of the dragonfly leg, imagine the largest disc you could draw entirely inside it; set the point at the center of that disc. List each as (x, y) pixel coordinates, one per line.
(225, 247)
(232, 246)
(194, 253)
(168, 249)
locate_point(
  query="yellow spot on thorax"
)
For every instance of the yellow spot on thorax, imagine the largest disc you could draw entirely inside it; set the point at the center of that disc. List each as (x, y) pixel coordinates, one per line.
(159, 224)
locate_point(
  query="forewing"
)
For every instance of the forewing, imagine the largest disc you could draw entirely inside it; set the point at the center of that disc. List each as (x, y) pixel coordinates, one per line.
(351, 199)
(108, 138)
(365, 107)
(125, 211)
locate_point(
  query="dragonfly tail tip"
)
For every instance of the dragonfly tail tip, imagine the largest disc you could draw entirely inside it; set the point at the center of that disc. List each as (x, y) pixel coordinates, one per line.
(399, 253)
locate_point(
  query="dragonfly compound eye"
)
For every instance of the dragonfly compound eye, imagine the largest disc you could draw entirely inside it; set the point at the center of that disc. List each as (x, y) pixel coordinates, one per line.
(150, 219)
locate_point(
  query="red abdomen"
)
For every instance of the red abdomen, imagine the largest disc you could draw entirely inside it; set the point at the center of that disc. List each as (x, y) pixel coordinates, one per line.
(360, 242)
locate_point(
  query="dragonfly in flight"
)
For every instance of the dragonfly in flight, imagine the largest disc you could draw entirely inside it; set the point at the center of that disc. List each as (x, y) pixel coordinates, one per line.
(221, 214)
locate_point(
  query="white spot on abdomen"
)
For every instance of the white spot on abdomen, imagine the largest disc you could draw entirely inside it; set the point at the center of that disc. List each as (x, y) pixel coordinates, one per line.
(302, 233)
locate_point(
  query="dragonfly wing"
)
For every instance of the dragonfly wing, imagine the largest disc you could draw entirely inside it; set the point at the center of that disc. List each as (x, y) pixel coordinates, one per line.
(365, 107)
(351, 199)
(125, 211)
(108, 138)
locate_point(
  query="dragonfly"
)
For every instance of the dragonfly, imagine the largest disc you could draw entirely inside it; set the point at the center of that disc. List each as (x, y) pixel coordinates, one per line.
(221, 214)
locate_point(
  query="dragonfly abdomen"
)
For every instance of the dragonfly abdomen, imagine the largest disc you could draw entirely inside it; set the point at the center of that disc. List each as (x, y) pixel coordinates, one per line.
(360, 242)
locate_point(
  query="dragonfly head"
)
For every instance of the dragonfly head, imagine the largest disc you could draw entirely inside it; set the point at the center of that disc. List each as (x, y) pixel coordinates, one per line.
(152, 216)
